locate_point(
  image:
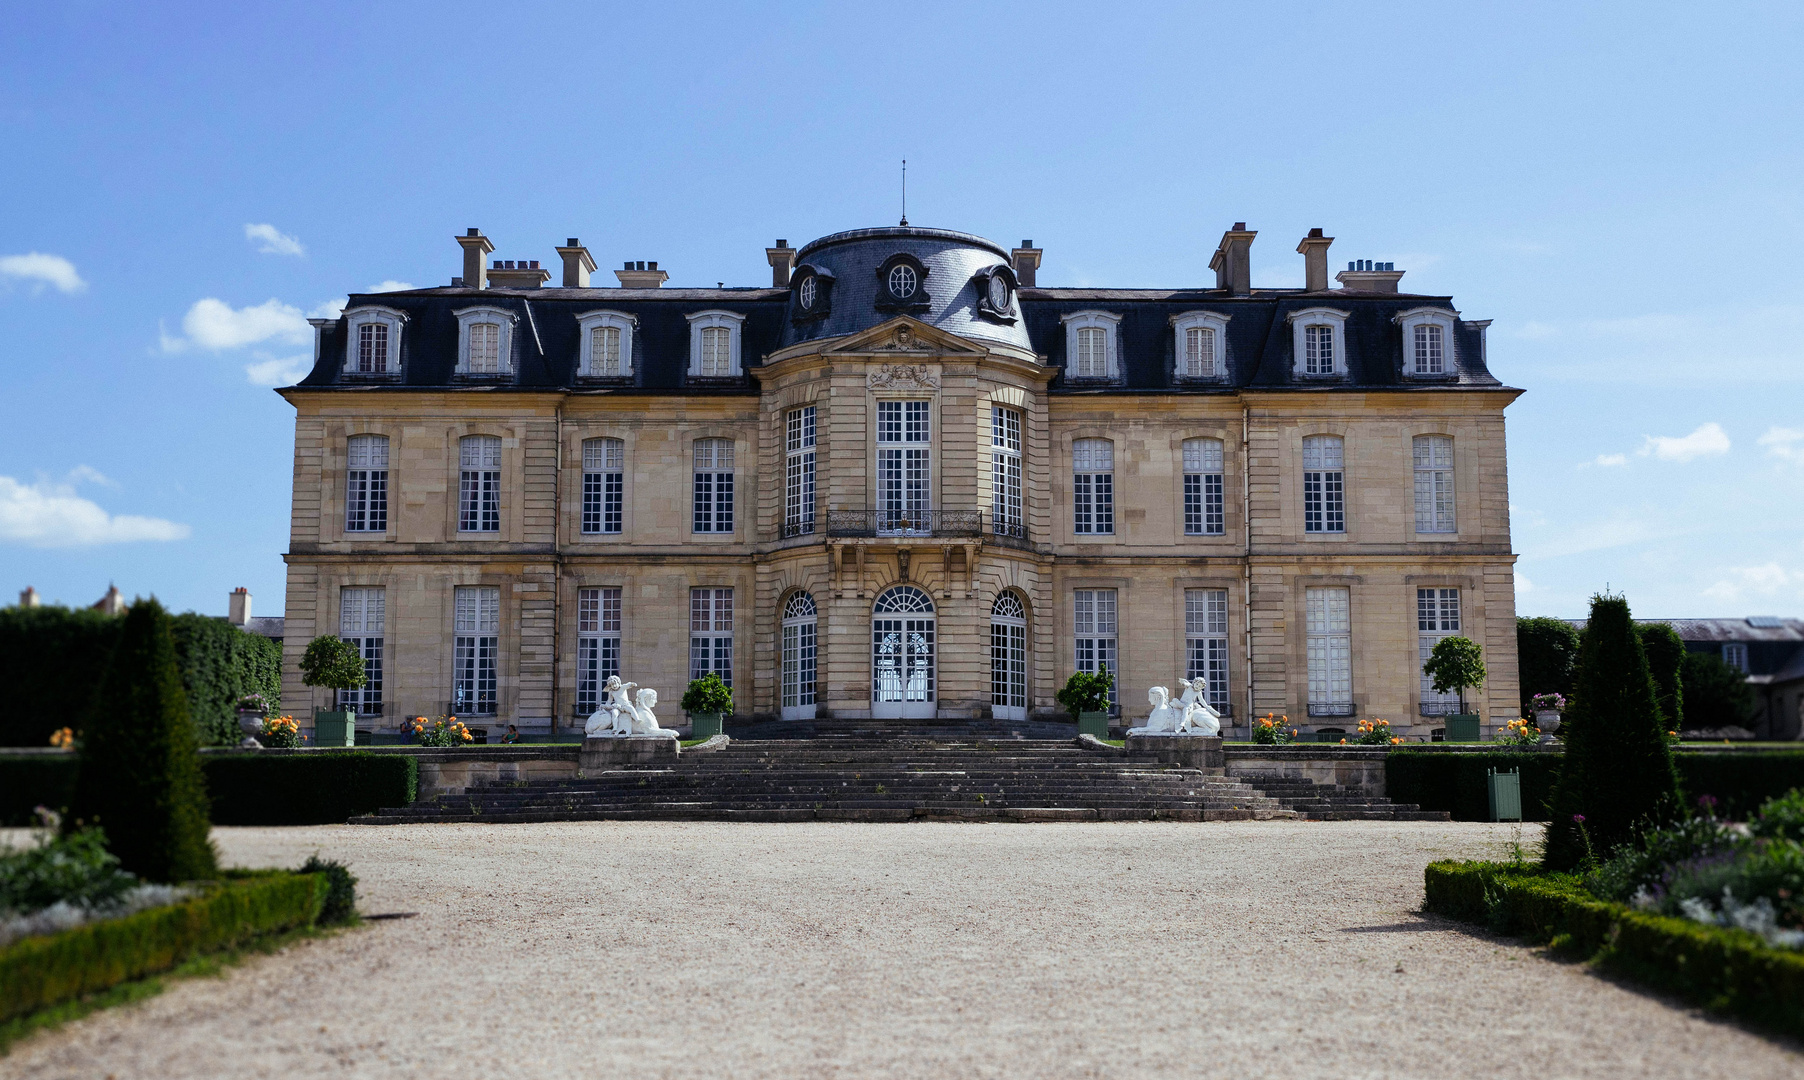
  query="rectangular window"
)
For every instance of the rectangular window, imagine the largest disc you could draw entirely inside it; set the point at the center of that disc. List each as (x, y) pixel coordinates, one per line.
(485, 349)
(1328, 628)
(1437, 617)
(711, 633)
(1434, 484)
(904, 467)
(1199, 352)
(1429, 351)
(1092, 353)
(1318, 346)
(597, 645)
(366, 484)
(360, 622)
(798, 475)
(1005, 471)
(604, 485)
(1206, 642)
(604, 351)
(1203, 507)
(1324, 485)
(479, 485)
(717, 348)
(713, 485)
(1093, 486)
(1735, 654)
(1094, 624)
(372, 348)
(476, 641)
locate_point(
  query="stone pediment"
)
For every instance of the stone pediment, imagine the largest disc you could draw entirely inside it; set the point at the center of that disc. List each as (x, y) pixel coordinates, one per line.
(904, 337)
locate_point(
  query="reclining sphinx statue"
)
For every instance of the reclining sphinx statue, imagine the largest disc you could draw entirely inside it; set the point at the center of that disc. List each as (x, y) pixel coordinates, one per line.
(619, 716)
(1190, 715)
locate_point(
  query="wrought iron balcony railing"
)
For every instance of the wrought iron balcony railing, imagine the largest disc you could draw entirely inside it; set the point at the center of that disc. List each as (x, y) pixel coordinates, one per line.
(1439, 708)
(874, 523)
(1333, 708)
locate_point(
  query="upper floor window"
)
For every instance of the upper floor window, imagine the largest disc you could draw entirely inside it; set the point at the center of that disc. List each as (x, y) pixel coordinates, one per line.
(604, 486)
(904, 465)
(606, 339)
(373, 341)
(713, 486)
(1201, 336)
(1203, 496)
(1324, 485)
(1005, 471)
(1434, 484)
(798, 473)
(485, 337)
(1093, 486)
(1091, 347)
(1427, 342)
(1319, 342)
(1735, 654)
(714, 344)
(479, 484)
(366, 483)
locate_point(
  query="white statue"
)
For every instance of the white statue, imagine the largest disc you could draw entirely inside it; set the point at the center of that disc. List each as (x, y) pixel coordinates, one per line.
(644, 722)
(1199, 718)
(619, 717)
(1164, 719)
(1190, 715)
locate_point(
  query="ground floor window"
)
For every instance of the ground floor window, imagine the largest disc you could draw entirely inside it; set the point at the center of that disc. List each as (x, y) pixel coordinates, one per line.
(711, 633)
(360, 622)
(597, 645)
(1437, 617)
(1094, 611)
(1328, 627)
(902, 654)
(1206, 643)
(476, 643)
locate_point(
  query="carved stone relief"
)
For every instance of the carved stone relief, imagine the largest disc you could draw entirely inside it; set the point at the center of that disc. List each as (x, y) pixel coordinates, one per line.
(903, 375)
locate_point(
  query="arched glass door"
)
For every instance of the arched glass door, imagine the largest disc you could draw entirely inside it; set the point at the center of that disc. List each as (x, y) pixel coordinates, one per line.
(799, 656)
(902, 643)
(1008, 658)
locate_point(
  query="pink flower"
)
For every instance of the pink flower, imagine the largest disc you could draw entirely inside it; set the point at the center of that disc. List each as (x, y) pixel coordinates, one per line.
(1579, 818)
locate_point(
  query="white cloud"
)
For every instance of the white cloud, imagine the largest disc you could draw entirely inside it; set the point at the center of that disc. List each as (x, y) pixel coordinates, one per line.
(327, 309)
(1784, 443)
(1763, 581)
(215, 324)
(42, 270)
(391, 285)
(1523, 585)
(1537, 331)
(1707, 440)
(49, 514)
(272, 241)
(1611, 460)
(278, 370)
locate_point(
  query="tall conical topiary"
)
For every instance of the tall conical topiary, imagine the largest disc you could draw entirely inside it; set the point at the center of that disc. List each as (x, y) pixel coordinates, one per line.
(1618, 772)
(139, 774)
(1665, 651)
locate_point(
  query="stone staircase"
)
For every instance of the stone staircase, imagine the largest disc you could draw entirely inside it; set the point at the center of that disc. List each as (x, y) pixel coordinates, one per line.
(865, 778)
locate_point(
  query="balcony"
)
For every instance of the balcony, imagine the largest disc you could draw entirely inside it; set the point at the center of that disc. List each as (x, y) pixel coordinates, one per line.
(1333, 708)
(1439, 708)
(881, 523)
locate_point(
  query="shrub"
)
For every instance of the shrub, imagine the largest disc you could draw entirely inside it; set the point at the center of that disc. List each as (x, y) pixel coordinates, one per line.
(1782, 818)
(1644, 866)
(340, 905)
(75, 869)
(280, 733)
(445, 731)
(332, 662)
(1741, 780)
(1086, 691)
(1519, 733)
(1274, 731)
(1617, 770)
(1546, 653)
(220, 664)
(1665, 657)
(1374, 733)
(708, 695)
(139, 776)
(1716, 695)
(1455, 665)
(315, 788)
(1547, 703)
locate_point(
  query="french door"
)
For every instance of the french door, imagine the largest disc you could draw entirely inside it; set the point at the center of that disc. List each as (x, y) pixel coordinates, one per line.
(800, 656)
(902, 655)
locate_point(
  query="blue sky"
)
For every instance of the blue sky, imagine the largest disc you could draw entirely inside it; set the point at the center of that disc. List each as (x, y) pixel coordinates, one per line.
(1618, 187)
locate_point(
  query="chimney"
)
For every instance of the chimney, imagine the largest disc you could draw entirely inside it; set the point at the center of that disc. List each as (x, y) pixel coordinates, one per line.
(238, 607)
(577, 264)
(1364, 275)
(782, 264)
(523, 274)
(113, 603)
(28, 598)
(1314, 248)
(475, 246)
(641, 275)
(1026, 260)
(1232, 261)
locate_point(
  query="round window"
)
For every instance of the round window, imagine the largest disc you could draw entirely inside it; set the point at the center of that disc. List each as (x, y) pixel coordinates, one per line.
(902, 282)
(806, 293)
(998, 292)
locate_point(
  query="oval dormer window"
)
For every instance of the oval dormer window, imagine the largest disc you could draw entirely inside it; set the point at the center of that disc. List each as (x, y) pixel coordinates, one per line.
(806, 294)
(999, 298)
(902, 281)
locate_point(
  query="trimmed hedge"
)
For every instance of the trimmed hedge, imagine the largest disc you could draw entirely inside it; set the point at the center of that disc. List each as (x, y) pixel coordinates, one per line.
(312, 788)
(1728, 971)
(38, 972)
(1740, 780)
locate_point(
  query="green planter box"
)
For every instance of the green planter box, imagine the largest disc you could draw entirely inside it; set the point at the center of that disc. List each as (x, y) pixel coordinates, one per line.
(704, 725)
(1463, 727)
(1504, 790)
(1093, 723)
(334, 728)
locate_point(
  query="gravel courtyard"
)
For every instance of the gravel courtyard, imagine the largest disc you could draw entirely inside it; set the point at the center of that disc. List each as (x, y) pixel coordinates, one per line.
(1283, 949)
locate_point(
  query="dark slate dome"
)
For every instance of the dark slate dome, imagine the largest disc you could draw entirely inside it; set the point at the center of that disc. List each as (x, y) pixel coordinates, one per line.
(852, 290)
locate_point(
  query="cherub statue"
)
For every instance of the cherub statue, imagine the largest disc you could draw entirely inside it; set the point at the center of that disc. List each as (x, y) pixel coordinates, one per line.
(615, 716)
(1199, 718)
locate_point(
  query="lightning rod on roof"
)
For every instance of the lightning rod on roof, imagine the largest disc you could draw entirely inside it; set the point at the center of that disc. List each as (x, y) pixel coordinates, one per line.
(905, 192)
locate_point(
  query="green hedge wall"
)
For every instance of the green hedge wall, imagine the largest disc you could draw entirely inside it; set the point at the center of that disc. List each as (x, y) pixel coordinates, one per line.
(1729, 971)
(38, 972)
(1740, 779)
(220, 664)
(312, 788)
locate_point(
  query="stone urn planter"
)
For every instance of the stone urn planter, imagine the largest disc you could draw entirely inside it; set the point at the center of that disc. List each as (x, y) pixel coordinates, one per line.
(704, 725)
(1093, 723)
(1548, 722)
(1463, 727)
(250, 721)
(334, 728)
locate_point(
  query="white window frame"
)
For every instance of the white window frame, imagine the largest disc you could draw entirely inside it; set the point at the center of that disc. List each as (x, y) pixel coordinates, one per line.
(709, 320)
(799, 685)
(1181, 326)
(604, 487)
(1437, 503)
(598, 618)
(1096, 641)
(1325, 483)
(1328, 646)
(361, 621)
(1206, 643)
(800, 435)
(476, 649)
(711, 633)
(386, 316)
(1414, 317)
(366, 484)
(1205, 487)
(1735, 654)
(1300, 321)
(1437, 617)
(586, 325)
(1092, 487)
(1110, 324)
(504, 343)
(713, 494)
(480, 503)
(1006, 511)
(904, 466)
(1008, 657)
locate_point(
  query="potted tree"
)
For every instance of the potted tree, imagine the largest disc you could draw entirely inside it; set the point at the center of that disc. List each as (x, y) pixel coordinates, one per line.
(1086, 695)
(706, 701)
(333, 662)
(1456, 664)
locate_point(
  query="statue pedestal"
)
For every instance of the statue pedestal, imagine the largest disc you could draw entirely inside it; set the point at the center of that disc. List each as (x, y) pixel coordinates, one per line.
(1189, 751)
(628, 750)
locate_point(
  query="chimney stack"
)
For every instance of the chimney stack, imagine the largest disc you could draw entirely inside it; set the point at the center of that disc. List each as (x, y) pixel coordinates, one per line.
(1314, 249)
(578, 265)
(1364, 275)
(782, 264)
(1026, 260)
(521, 274)
(641, 275)
(238, 607)
(1232, 261)
(475, 246)
(28, 598)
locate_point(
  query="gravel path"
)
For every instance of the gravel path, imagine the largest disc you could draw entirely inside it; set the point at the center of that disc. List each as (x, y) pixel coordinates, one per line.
(1252, 949)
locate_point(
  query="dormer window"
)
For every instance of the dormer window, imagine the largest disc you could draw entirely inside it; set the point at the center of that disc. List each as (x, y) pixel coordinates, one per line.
(1428, 343)
(485, 342)
(1201, 338)
(1319, 342)
(373, 342)
(1091, 348)
(813, 291)
(902, 284)
(995, 293)
(606, 342)
(714, 344)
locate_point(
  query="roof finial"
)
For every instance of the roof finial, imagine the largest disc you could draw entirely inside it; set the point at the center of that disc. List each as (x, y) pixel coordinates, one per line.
(904, 192)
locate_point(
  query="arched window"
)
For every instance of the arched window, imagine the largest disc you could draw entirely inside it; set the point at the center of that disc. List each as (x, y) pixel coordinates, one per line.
(366, 483)
(1008, 658)
(486, 342)
(902, 654)
(606, 343)
(1320, 343)
(604, 485)
(1434, 484)
(800, 651)
(479, 484)
(1092, 348)
(714, 344)
(373, 342)
(1201, 337)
